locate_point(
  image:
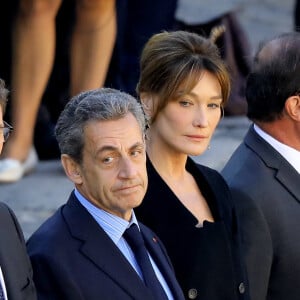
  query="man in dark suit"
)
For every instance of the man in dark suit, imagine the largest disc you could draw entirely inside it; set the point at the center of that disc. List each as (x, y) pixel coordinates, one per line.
(81, 251)
(263, 173)
(15, 270)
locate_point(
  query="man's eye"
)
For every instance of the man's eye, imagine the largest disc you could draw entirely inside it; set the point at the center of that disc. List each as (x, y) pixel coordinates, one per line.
(136, 153)
(107, 160)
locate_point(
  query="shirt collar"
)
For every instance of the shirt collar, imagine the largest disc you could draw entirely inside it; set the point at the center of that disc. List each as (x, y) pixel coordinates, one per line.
(289, 153)
(113, 225)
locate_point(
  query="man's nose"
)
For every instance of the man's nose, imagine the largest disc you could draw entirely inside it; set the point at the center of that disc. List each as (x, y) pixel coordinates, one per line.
(127, 168)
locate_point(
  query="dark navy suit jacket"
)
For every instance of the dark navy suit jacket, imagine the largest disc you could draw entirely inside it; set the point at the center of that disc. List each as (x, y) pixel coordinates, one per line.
(266, 190)
(14, 261)
(73, 258)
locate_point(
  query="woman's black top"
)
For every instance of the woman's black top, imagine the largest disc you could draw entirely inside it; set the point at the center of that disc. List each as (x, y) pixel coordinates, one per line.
(207, 260)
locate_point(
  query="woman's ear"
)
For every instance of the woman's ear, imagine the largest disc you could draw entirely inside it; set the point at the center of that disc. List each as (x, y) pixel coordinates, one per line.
(292, 107)
(72, 169)
(147, 103)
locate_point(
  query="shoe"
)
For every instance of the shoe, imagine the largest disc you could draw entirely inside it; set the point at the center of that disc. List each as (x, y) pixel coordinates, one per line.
(12, 170)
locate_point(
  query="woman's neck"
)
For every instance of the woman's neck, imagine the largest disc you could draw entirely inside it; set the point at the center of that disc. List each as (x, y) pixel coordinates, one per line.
(167, 162)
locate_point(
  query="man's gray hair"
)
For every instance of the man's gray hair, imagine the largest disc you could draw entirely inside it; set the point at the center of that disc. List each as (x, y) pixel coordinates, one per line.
(94, 105)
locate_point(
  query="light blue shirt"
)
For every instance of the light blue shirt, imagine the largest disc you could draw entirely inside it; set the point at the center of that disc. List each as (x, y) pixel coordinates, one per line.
(115, 227)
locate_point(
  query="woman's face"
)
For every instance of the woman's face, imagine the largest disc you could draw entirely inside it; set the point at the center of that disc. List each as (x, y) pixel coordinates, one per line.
(187, 124)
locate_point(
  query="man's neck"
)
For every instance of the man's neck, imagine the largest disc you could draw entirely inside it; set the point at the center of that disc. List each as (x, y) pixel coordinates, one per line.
(284, 131)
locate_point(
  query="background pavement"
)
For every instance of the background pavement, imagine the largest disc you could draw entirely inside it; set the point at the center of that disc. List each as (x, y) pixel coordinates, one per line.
(38, 195)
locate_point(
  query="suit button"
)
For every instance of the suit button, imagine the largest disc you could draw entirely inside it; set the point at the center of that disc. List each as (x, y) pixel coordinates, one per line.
(242, 288)
(192, 294)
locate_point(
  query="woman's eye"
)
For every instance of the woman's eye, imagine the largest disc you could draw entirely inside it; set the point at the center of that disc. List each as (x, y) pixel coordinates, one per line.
(185, 103)
(214, 105)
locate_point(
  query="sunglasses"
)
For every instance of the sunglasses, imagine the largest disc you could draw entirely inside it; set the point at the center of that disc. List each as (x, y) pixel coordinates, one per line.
(5, 130)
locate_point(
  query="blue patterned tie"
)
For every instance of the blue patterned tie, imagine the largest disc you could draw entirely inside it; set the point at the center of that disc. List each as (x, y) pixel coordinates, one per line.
(136, 242)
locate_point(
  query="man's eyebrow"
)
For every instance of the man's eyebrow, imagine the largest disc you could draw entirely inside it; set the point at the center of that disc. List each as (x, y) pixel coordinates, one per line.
(113, 148)
(137, 145)
(106, 148)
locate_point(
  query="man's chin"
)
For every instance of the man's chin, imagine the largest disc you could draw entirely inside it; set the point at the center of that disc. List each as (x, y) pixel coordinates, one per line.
(138, 203)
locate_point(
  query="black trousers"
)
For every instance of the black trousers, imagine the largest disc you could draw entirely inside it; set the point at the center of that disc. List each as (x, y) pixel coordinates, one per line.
(137, 21)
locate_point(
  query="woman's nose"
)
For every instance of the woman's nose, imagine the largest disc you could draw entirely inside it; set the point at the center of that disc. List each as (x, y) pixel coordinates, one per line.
(201, 118)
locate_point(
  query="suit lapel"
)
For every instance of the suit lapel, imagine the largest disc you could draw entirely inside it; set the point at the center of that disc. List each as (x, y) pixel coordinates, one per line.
(100, 249)
(284, 172)
(290, 179)
(158, 253)
(13, 254)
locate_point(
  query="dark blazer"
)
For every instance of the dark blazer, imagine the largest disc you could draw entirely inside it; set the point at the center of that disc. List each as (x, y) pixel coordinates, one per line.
(73, 258)
(14, 261)
(206, 260)
(266, 189)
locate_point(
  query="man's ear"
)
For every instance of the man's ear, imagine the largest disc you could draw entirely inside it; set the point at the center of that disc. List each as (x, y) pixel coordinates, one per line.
(72, 169)
(147, 103)
(292, 107)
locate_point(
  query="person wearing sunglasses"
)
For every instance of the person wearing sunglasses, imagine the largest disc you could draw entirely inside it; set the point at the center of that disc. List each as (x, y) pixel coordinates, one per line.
(5, 131)
(15, 269)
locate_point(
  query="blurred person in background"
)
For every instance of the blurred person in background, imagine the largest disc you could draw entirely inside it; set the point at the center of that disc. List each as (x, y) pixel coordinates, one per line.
(32, 61)
(137, 22)
(204, 16)
(16, 281)
(297, 15)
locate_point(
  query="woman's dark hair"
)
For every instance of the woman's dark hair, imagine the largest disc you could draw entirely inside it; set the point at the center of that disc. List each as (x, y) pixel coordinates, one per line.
(173, 60)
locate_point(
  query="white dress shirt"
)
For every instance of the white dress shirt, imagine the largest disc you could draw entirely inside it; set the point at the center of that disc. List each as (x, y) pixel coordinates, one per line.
(289, 153)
